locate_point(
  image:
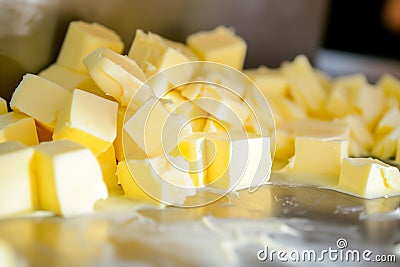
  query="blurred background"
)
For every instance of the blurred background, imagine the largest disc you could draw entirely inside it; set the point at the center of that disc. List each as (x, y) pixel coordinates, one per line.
(339, 37)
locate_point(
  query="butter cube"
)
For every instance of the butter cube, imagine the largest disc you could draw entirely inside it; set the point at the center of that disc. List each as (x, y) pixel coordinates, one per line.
(389, 121)
(284, 145)
(350, 82)
(270, 83)
(338, 103)
(125, 147)
(371, 101)
(154, 129)
(220, 45)
(368, 178)
(48, 98)
(17, 178)
(237, 161)
(88, 120)
(154, 53)
(81, 39)
(385, 146)
(115, 74)
(213, 125)
(390, 86)
(192, 150)
(359, 131)
(108, 164)
(192, 114)
(3, 106)
(70, 79)
(15, 126)
(224, 105)
(69, 178)
(284, 109)
(318, 159)
(304, 84)
(155, 181)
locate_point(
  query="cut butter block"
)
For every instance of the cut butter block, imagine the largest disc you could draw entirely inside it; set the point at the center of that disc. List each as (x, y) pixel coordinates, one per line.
(15, 126)
(39, 98)
(238, 160)
(115, 74)
(359, 131)
(368, 178)
(390, 86)
(222, 104)
(192, 150)
(194, 115)
(317, 128)
(69, 178)
(220, 45)
(89, 120)
(154, 54)
(371, 102)
(304, 84)
(17, 178)
(385, 147)
(269, 82)
(81, 39)
(154, 129)
(155, 181)
(70, 79)
(108, 164)
(318, 159)
(338, 104)
(389, 121)
(125, 147)
(8, 257)
(213, 125)
(3, 106)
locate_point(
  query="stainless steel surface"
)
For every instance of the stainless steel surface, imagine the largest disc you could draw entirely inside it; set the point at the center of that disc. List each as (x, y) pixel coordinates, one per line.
(229, 232)
(31, 31)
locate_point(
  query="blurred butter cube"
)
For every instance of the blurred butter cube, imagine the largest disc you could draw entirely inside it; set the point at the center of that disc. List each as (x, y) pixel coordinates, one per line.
(81, 39)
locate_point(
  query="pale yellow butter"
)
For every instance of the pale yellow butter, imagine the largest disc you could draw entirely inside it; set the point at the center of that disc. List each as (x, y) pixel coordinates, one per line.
(89, 120)
(156, 181)
(47, 96)
(17, 179)
(154, 53)
(3, 106)
(70, 79)
(69, 178)
(238, 160)
(15, 126)
(108, 164)
(368, 178)
(81, 39)
(154, 129)
(304, 84)
(318, 159)
(115, 74)
(220, 45)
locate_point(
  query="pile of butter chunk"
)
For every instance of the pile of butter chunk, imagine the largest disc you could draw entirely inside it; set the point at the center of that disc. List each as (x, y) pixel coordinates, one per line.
(98, 121)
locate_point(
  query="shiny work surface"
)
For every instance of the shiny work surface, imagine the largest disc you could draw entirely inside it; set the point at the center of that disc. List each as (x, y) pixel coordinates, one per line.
(228, 232)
